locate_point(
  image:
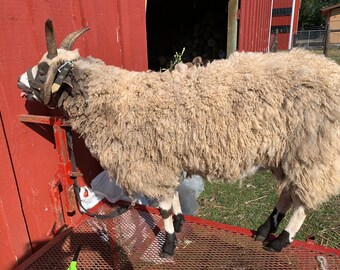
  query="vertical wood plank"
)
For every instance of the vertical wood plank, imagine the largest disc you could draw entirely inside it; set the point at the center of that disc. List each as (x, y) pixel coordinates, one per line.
(13, 233)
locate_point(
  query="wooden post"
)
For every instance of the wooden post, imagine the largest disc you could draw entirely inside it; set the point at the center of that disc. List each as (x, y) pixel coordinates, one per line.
(232, 27)
(273, 48)
(325, 46)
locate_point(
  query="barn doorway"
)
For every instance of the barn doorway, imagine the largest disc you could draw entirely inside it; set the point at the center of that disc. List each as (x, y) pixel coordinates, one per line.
(198, 26)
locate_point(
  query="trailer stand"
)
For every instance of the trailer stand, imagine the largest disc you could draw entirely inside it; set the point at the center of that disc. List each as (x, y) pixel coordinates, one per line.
(134, 239)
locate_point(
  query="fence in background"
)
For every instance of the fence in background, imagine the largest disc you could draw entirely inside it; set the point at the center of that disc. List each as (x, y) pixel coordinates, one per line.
(313, 39)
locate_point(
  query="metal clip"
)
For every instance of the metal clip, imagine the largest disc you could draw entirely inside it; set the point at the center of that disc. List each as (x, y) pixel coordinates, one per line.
(68, 63)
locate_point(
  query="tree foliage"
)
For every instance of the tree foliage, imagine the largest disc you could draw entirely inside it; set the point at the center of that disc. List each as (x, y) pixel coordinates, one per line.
(310, 14)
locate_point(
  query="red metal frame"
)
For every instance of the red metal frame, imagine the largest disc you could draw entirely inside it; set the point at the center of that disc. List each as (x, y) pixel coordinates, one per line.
(61, 186)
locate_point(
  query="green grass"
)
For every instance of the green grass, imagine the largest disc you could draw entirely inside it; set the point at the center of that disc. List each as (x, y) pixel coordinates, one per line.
(248, 204)
(333, 53)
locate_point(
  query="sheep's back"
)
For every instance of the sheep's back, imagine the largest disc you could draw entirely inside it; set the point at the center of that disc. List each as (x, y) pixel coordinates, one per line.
(219, 120)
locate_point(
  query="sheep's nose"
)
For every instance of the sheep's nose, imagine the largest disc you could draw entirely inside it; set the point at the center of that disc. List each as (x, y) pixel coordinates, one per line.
(19, 78)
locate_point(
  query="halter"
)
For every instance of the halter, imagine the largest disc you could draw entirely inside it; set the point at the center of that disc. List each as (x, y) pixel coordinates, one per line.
(37, 84)
(63, 71)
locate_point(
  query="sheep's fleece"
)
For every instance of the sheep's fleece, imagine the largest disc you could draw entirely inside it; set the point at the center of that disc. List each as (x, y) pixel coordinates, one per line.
(273, 110)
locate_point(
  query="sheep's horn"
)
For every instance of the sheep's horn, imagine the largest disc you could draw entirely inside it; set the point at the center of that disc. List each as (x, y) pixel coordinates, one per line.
(69, 40)
(50, 40)
(47, 89)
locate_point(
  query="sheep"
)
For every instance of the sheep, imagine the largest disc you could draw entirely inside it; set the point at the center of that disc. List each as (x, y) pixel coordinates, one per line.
(275, 111)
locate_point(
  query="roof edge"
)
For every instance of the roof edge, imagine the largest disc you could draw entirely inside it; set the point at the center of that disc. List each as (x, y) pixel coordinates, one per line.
(325, 10)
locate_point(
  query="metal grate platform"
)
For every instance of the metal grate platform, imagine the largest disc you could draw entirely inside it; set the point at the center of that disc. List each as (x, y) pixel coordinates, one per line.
(133, 241)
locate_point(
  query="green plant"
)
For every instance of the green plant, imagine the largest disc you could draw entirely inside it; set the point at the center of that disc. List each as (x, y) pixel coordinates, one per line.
(177, 59)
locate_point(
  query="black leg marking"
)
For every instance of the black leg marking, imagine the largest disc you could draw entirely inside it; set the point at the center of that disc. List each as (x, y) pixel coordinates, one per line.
(178, 222)
(169, 246)
(165, 213)
(278, 243)
(269, 226)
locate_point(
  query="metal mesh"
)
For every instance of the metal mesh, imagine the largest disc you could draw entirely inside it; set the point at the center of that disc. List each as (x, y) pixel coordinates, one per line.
(310, 38)
(133, 241)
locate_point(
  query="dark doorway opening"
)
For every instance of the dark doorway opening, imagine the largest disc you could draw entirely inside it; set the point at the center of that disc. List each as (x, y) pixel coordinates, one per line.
(199, 26)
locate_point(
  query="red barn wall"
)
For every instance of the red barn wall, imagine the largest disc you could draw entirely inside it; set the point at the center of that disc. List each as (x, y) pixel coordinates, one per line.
(254, 25)
(28, 155)
(283, 38)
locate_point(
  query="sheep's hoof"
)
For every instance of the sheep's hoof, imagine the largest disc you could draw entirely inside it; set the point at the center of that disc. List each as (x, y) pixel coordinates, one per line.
(270, 249)
(278, 243)
(263, 231)
(165, 255)
(259, 237)
(169, 246)
(178, 222)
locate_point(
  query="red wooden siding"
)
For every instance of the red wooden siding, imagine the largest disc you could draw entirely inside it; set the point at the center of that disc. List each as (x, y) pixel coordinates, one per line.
(117, 36)
(281, 20)
(283, 38)
(254, 29)
(283, 41)
(282, 3)
(13, 234)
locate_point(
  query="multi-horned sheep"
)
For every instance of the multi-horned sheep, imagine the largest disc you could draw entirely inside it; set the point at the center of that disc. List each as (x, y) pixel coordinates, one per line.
(224, 121)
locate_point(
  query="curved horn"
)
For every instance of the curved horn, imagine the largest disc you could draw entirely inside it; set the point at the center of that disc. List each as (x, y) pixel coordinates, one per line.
(47, 89)
(50, 40)
(69, 40)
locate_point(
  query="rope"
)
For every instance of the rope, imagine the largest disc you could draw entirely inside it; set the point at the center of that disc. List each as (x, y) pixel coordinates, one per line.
(322, 262)
(76, 187)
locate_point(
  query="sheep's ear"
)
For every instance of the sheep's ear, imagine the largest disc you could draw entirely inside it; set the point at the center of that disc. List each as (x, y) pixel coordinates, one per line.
(50, 40)
(63, 96)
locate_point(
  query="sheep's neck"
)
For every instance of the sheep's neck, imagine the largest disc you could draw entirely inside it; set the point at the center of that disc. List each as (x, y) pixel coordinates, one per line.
(75, 105)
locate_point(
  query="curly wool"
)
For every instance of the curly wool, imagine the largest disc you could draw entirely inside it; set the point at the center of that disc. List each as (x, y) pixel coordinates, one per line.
(279, 111)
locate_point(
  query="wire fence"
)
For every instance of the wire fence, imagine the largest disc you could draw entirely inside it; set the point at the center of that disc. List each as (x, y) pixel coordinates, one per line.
(311, 39)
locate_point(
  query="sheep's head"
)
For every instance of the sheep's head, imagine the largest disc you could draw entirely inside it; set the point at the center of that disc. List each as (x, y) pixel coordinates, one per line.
(43, 81)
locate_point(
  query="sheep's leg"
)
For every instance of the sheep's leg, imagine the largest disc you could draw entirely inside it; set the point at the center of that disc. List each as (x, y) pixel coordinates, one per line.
(178, 215)
(170, 236)
(295, 223)
(273, 221)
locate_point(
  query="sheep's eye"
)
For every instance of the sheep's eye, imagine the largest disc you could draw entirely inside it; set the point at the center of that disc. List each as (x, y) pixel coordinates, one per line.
(42, 71)
(43, 68)
(42, 77)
